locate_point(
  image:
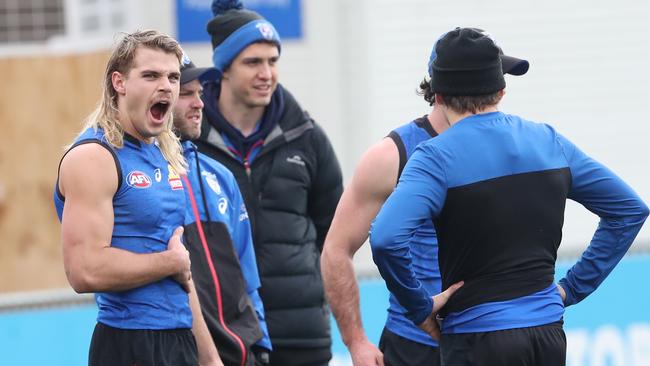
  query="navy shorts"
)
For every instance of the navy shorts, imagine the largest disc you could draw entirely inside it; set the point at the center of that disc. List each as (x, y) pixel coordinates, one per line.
(400, 351)
(126, 347)
(544, 345)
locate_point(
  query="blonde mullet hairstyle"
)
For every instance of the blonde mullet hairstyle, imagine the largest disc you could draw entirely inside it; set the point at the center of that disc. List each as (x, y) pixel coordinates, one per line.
(106, 115)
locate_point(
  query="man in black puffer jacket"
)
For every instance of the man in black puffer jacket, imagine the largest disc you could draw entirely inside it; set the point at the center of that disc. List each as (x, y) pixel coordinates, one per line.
(288, 175)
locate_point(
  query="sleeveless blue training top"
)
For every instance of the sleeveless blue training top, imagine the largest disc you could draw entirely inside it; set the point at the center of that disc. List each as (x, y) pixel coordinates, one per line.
(148, 205)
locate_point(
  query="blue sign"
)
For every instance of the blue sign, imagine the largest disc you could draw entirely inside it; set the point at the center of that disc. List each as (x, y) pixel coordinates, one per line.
(609, 328)
(192, 17)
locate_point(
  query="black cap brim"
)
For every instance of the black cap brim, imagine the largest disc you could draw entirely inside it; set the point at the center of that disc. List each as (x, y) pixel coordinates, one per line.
(513, 66)
(201, 73)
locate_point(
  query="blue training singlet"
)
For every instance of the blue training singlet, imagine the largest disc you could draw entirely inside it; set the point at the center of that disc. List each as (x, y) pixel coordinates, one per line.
(148, 205)
(423, 246)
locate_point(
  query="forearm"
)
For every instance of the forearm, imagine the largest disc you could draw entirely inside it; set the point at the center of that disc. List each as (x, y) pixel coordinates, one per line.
(389, 240)
(208, 354)
(114, 269)
(343, 295)
(394, 265)
(622, 214)
(608, 246)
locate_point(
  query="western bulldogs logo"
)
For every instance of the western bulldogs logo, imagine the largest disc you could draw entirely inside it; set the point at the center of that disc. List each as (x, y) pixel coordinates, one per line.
(138, 179)
(212, 181)
(185, 60)
(266, 30)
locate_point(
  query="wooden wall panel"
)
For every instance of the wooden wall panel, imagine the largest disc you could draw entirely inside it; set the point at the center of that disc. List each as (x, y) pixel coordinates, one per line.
(43, 101)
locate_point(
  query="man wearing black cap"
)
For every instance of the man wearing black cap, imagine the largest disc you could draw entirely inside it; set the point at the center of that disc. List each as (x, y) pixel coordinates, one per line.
(401, 342)
(495, 186)
(287, 172)
(218, 237)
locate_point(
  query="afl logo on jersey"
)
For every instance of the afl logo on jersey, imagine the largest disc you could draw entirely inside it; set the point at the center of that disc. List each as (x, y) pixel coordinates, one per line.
(138, 179)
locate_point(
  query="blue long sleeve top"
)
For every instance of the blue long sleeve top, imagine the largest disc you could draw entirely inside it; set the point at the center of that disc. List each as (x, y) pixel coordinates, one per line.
(495, 186)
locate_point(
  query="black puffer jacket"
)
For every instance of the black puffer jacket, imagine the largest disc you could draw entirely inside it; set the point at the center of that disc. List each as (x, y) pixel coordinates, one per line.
(291, 192)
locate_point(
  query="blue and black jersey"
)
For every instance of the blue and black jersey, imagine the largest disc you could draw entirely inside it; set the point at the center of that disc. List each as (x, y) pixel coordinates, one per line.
(148, 205)
(224, 271)
(495, 186)
(423, 245)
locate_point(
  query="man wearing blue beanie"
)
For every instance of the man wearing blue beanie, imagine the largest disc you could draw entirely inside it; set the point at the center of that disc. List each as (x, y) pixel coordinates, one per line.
(495, 187)
(287, 172)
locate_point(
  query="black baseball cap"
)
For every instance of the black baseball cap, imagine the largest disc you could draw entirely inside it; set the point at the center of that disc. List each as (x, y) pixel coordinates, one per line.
(189, 71)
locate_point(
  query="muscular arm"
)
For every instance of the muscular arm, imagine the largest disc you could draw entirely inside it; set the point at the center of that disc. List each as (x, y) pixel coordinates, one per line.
(373, 181)
(88, 180)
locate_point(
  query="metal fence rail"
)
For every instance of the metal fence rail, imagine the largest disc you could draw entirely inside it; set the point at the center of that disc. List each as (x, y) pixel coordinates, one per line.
(44, 299)
(18, 301)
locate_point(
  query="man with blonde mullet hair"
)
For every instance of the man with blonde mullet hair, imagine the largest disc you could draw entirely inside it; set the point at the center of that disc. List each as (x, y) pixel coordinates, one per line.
(121, 204)
(107, 115)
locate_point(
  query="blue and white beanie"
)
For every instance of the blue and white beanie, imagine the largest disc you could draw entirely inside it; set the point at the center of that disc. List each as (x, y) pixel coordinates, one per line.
(234, 28)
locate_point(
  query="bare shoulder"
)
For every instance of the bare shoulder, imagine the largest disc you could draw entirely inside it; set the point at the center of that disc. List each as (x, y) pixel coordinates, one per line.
(377, 170)
(88, 169)
(372, 182)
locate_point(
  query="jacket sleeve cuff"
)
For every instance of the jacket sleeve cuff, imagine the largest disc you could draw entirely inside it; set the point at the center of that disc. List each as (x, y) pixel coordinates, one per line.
(419, 315)
(570, 297)
(265, 343)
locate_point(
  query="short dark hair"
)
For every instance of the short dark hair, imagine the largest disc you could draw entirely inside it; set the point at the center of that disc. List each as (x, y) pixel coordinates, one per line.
(426, 91)
(472, 104)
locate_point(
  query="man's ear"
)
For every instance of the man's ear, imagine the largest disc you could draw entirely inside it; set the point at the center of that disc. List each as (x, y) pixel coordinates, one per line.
(118, 80)
(438, 99)
(500, 95)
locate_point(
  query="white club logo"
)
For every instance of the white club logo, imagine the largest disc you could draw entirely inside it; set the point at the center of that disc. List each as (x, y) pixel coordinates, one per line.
(212, 181)
(266, 30)
(185, 60)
